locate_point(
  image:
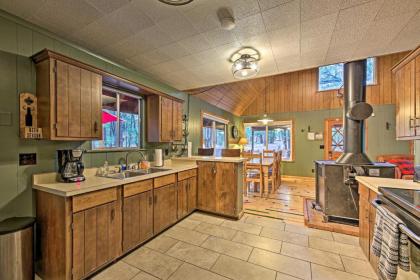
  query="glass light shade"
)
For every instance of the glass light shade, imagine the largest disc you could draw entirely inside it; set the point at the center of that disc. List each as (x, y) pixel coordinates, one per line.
(245, 67)
(176, 2)
(265, 119)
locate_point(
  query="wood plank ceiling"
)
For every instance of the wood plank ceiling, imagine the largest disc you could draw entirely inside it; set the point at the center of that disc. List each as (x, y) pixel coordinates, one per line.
(293, 92)
(232, 97)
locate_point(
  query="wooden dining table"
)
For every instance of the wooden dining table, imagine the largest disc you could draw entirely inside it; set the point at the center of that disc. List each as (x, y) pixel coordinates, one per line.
(266, 163)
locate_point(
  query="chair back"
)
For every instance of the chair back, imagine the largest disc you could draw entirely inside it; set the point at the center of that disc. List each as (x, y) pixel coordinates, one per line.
(268, 154)
(231, 152)
(205, 151)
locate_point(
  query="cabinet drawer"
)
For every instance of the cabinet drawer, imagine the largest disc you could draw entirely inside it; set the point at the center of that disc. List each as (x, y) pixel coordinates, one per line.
(187, 174)
(92, 199)
(138, 187)
(164, 180)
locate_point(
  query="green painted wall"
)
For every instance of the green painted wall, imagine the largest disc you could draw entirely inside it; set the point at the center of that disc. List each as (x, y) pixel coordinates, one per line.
(20, 40)
(380, 140)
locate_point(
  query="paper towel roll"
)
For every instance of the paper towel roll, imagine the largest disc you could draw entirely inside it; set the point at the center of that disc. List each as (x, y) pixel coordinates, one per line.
(189, 149)
(158, 157)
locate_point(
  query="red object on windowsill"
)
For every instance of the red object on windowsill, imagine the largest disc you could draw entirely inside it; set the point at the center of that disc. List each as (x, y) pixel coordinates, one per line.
(107, 117)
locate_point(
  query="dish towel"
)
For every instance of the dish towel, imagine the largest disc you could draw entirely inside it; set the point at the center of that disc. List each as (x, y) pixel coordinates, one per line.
(389, 244)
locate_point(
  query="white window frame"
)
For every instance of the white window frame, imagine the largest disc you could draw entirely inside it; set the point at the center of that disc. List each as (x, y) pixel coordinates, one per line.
(140, 107)
(375, 74)
(277, 123)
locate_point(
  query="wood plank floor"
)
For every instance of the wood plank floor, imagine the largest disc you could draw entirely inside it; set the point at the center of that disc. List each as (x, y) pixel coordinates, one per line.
(286, 203)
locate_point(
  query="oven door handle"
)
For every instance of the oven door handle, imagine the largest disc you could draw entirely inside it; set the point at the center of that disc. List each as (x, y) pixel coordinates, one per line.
(403, 228)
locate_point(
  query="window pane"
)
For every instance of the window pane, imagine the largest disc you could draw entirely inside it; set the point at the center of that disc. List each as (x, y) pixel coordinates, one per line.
(279, 139)
(256, 138)
(129, 122)
(109, 122)
(207, 133)
(330, 76)
(370, 70)
(220, 135)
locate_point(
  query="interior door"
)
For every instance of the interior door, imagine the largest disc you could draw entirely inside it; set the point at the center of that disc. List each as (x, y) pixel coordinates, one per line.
(334, 138)
(166, 120)
(206, 186)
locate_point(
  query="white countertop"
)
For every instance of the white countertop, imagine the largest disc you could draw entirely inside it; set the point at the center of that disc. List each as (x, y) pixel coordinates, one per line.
(48, 181)
(374, 183)
(210, 158)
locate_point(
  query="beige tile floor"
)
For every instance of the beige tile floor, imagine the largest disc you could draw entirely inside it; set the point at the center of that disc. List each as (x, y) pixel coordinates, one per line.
(204, 247)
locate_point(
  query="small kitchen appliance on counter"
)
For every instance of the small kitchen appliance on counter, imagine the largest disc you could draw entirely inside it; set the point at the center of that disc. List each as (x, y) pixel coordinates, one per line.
(70, 166)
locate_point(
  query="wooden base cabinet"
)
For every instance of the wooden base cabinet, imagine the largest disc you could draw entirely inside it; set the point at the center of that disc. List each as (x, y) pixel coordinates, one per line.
(137, 214)
(187, 192)
(367, 216)
(220, 188)
(164, 207)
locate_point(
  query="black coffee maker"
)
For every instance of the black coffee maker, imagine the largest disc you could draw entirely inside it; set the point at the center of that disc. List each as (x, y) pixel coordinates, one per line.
(70, 166)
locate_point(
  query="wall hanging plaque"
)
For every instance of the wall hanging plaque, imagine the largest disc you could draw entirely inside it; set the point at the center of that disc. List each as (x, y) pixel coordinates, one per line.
(28, 117)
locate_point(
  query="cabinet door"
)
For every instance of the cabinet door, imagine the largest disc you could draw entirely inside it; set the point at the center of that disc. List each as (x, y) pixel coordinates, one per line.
(364, 219)
(62, 99)
(206, 186)
(405, 91)
(417, 95)
(96, 238)
(96, 106)
(177, 121)
(226, 187)
(138, 219)
(374, 260)
(165, 207)
(91, 105)
(166, 120)
(183, 198)
(192, 194)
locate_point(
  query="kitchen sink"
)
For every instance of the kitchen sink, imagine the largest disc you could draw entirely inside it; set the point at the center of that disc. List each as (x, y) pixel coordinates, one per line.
(134, 173)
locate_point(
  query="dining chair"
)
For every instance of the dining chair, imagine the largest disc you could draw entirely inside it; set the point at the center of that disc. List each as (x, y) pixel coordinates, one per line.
(268, 153)
(279, 160)
(254, 175)
(205, 151)
(231, 152)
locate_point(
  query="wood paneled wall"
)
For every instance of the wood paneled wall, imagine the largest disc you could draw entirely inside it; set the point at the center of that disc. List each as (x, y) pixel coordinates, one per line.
(298, 91)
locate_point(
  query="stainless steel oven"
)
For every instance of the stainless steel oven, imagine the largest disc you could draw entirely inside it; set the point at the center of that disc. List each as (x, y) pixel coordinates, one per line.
(405, 204)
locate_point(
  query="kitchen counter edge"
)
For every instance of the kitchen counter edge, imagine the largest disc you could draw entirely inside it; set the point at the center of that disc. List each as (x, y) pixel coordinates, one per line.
(374, 183)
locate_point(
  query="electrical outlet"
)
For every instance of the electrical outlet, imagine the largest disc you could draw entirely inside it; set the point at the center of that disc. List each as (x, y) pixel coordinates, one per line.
(321, 147)
(313, 170)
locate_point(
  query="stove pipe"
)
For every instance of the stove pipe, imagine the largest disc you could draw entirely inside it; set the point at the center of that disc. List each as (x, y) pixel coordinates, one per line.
(356, 110)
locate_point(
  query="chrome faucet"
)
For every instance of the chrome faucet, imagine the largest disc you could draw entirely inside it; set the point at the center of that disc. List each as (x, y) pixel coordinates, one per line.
(134, 151)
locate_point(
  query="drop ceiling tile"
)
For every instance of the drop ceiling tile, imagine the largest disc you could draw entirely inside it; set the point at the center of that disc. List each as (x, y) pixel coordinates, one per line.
(319, 26)
(312, 59)
(311, 9)
(347, 36)
(408, 38)
(196, 43)
(288, 63)
(282, 16)
(241, 8)
(178, 27)
(106, 6)
(350, 3)
(151, 58)
(225, 52)
(285, 41)
(268, 4)
(250, 26)
(219, 37)
(129, 47)
(203, 16)
(64, 17)
(206, 56)
(392, 8)
(155, 36)
(130, 18)
(358, 16)
(340, 53)
(311, 44)
(22, 8)
(155, 10)
(166, 67)
(189, 61)
(174, 50)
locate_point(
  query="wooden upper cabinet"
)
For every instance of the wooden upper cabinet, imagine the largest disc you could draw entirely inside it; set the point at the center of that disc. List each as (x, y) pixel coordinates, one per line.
(70, 100)
(406, 75)
(164, 119)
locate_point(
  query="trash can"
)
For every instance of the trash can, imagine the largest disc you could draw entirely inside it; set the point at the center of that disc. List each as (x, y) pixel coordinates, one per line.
(17, 248)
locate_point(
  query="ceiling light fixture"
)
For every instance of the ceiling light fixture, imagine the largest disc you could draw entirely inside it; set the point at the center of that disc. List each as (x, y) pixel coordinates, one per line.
(265, 120)
(176, 2)
(245, 63)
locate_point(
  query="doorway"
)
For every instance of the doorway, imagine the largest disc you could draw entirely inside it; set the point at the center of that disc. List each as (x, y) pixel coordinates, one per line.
(334, 138)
